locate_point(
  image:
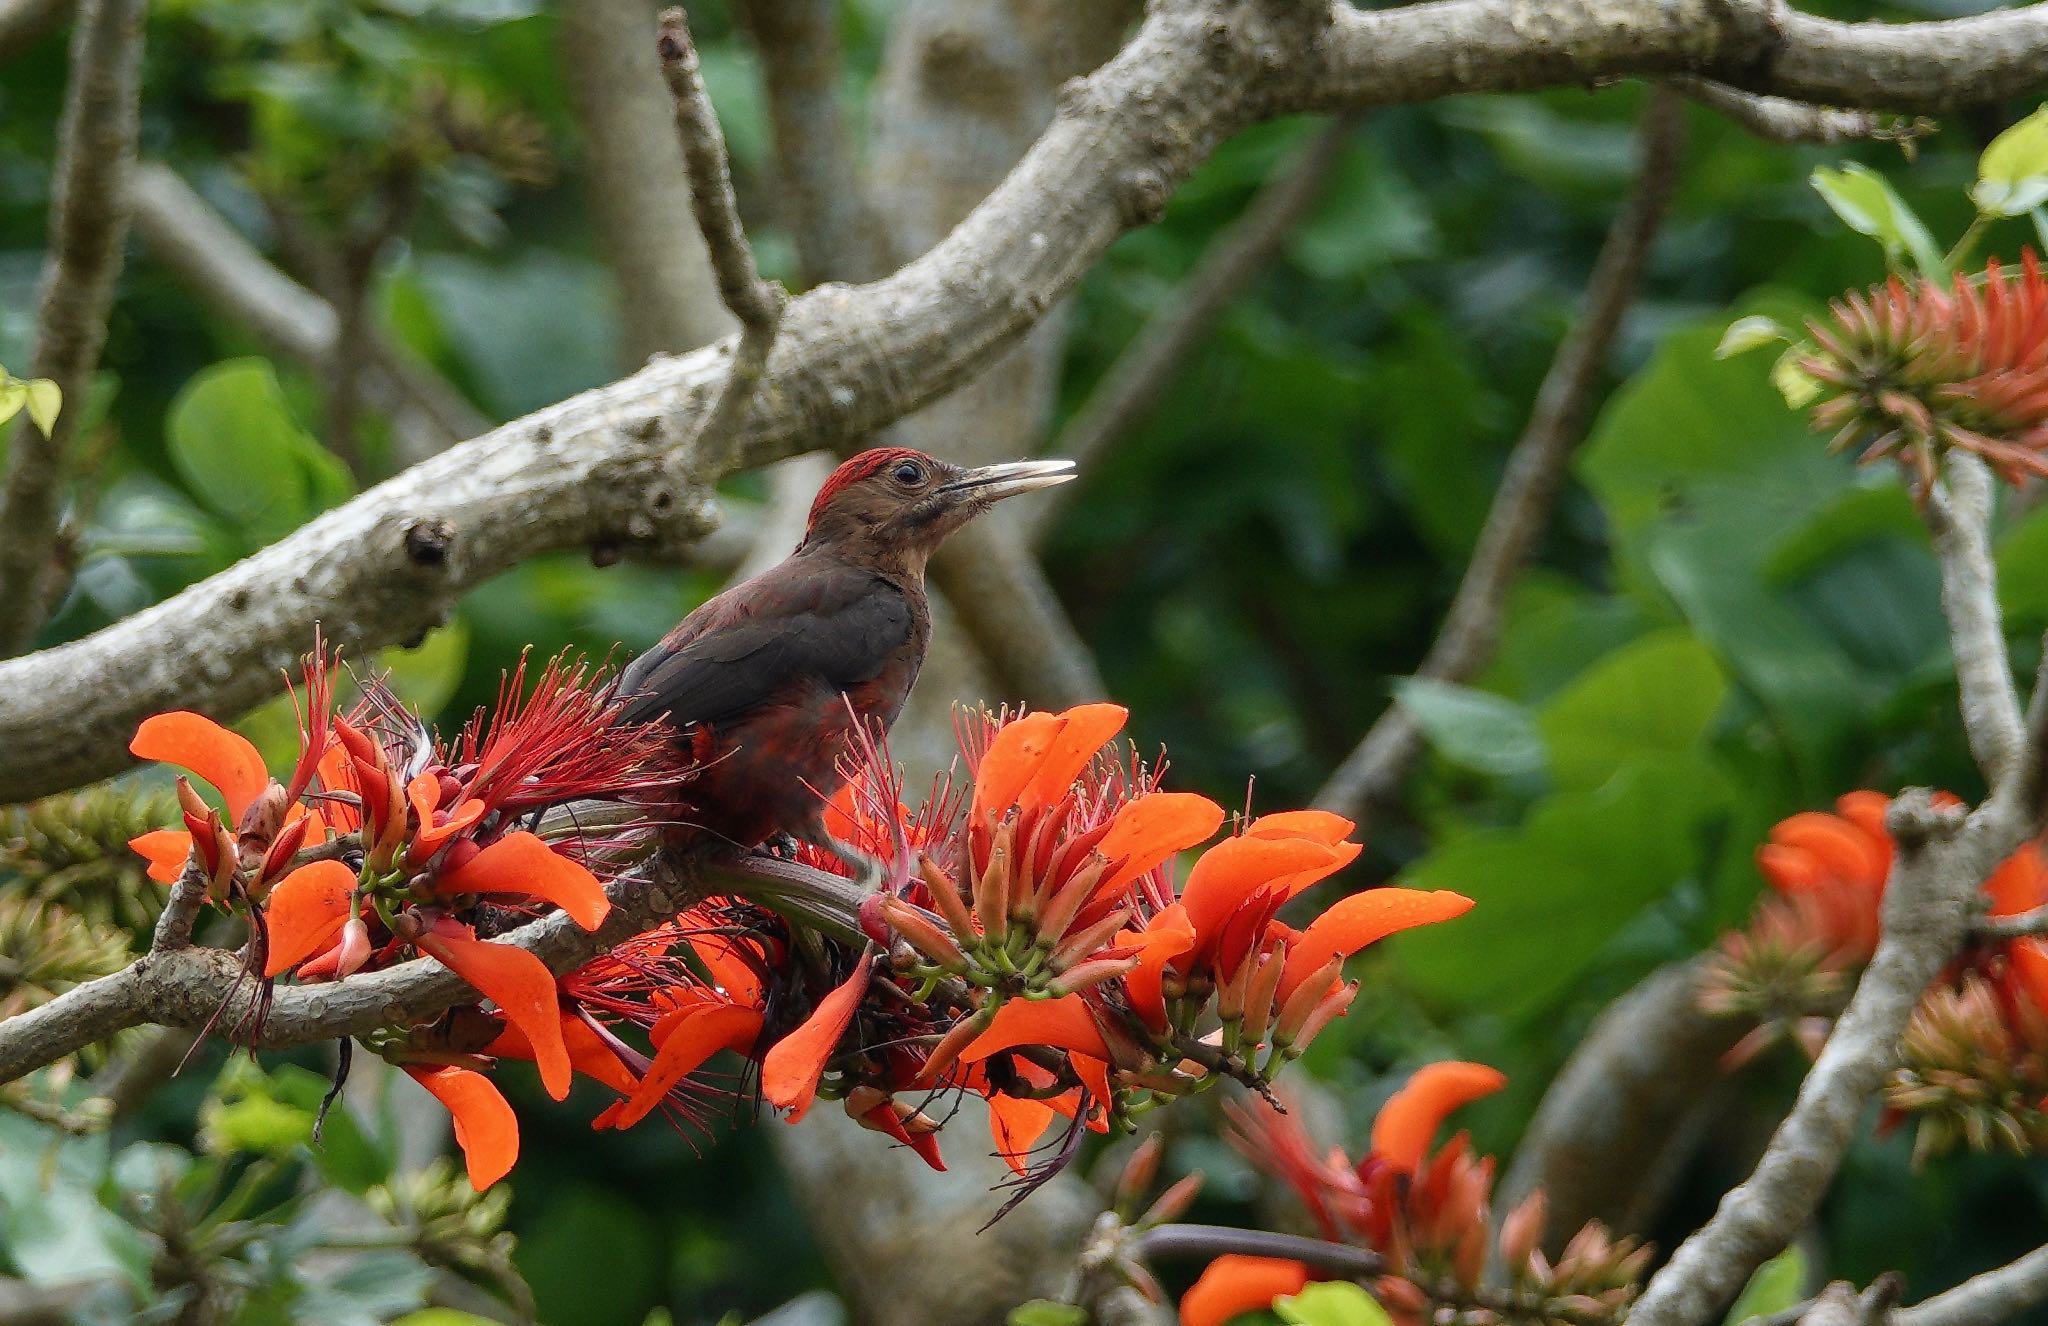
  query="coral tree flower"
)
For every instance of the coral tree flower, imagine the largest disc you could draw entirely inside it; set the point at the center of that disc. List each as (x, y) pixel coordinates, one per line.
(1914, 369)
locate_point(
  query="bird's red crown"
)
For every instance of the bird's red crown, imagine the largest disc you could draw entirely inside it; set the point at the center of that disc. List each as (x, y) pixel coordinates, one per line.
(859, 467)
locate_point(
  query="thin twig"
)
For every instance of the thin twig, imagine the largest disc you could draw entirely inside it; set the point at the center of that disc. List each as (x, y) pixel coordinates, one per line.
(181, 909)
(1781, 120)
(2022, 925)
(758, 304)
(1149, 365)
(88, 227)
(1380, 763)
(1165, 1242)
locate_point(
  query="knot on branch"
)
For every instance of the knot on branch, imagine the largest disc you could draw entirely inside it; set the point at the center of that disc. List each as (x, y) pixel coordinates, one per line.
(427, 541)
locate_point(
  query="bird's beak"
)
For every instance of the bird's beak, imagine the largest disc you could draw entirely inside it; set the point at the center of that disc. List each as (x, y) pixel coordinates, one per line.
(991, 483)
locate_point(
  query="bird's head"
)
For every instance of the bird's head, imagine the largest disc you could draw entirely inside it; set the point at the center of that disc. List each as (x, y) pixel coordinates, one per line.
(893, 506)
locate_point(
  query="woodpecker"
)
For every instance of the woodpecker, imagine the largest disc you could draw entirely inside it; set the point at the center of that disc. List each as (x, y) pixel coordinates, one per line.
(765, 682)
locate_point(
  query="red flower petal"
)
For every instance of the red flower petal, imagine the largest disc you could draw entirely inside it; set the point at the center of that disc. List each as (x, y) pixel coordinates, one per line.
(1362, 919)
(1016, 1124)
(1410, 1118)
(588, 1053)
(1164, 938)
(195, 742)
(522, 863)
(1064, 1023)
(701, 1032)
(521, 985)
(1843, 850)
(2020, 883)
(791, 1068)
(165, 850)
(305, 912)
(1083, 730)
(1235, 1284)
(1011, 761)
(1236, 868)
(485, 1127)
(1152, 828)
(1320, 825)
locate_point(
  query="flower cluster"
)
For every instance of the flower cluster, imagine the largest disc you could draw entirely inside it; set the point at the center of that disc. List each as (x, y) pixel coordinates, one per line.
(1912, 370)
(1028, 943)
(384, 844)
(1427, 1214)
(1974, 1060)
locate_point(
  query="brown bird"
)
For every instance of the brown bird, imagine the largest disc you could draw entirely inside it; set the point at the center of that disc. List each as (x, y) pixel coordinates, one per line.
(765, 682)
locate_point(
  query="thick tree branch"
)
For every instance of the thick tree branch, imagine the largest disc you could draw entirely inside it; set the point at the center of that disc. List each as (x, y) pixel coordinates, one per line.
(1615, 1126)
(1377, 767)
(1151, 362)
(193, 986)
(88, 228)
(610, 464)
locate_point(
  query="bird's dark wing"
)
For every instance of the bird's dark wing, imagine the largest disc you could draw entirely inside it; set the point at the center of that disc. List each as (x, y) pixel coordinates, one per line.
(834, 628)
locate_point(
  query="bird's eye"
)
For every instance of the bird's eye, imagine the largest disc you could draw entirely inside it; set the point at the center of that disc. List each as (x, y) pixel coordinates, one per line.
(909, 473)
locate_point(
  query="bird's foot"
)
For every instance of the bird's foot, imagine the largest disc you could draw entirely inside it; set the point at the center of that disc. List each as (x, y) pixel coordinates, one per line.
(782, 846)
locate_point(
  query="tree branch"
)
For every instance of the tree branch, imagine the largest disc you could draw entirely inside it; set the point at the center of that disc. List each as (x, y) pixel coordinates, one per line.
(1615, 1125)
(758, 304)
(88, 227)
(1151, 362)
(1984, 1299)
(1958, 513)
(1377, 767)
(198, 987)
(612, 463)
(1941, 860)
(23, 23)
(1778, 120)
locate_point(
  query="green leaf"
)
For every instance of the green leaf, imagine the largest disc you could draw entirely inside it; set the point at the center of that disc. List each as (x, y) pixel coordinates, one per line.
(1746, 334)
(1793, 382)
(13, 395)
(1777, 1285)
(441, 1317)
(1331, 1303)
(1473, 728)
(1651, 698)
(1575, 872)
(1867, 204)
(2012, 175)
(45, 398)
(1046, 1312)
(235, 443)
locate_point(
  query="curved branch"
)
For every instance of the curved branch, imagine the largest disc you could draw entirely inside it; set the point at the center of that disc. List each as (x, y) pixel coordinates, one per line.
(1380, 763)
(1779, 120)
(1984, 1299)
(615, 464)
(88, 227)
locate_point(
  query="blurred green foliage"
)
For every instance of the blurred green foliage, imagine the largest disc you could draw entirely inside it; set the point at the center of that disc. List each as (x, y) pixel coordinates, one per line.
(1726, 625)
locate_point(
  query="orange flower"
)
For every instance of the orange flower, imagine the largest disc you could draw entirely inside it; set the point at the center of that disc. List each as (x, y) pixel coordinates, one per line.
(305, 913)
(518, 983)
(791, 1069)
(222, 757)
(485, 1127)
(1402, 1130)
(1235, 1284)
